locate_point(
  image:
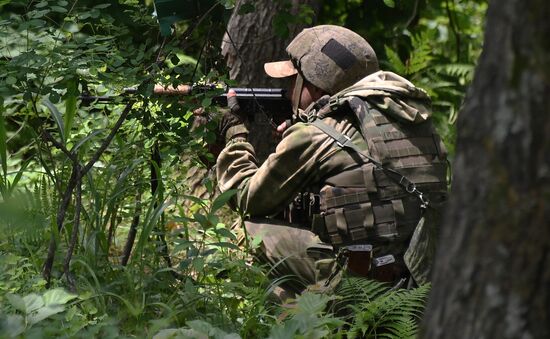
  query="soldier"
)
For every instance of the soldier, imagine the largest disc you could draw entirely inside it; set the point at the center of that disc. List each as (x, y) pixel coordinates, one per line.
(354, 175)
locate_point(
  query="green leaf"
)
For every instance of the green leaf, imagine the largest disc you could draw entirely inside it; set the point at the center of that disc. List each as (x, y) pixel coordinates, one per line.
(10, 80)
(213, 219)
(86, 139)
(57, 117)
(174, 333)
(222, 199)
(59, 9)
(395, 61)
(246, 8)
(13, 325)
(225, 244)
(102, 6)
(256, 241)
(133, 309)
(54, 97)
(70, 110)
(202, 220)
(286, 330)
(182, 245)
(228, 4)
(32, 302)
(57, 296)
(17, 302)
(19, 175)
(45, 312)
(3, 142)
(280, 25)
(94, 13)
(70, 106)
(206, 102)
(207, 330)
(224, 232)
(198, 263)
(312, 303)
(390, 3)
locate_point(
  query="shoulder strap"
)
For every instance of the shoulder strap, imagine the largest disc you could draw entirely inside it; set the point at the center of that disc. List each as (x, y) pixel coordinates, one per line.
(345, 142)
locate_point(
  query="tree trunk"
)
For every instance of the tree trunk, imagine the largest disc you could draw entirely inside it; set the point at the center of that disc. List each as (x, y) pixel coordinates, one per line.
(492, 274)
(250, 42)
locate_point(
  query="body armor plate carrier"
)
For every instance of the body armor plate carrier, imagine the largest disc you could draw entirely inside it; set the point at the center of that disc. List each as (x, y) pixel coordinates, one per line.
(364, 202)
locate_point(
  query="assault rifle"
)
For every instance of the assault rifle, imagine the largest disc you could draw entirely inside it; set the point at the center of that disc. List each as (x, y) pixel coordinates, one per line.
(271, 102)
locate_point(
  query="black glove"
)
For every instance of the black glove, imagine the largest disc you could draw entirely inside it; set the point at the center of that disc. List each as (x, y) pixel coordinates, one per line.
(233, 122)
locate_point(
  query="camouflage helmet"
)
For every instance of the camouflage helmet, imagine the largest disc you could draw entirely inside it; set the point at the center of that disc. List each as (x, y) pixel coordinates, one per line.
(329, 57)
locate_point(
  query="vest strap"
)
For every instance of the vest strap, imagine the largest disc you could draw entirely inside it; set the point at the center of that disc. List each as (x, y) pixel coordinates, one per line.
(331, 224)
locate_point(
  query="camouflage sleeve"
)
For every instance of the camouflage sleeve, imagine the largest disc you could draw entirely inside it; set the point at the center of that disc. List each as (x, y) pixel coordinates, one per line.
(265, 190)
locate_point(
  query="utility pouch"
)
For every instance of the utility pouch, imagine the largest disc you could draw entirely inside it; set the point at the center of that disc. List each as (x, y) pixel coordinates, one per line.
(359, 259)
(385, 269)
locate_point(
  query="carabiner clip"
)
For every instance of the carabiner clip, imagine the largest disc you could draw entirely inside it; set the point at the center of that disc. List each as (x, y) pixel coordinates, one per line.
(411, 188)
(423, 202)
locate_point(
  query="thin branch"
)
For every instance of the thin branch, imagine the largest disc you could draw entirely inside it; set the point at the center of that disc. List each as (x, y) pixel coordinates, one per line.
(112, 227)
(454, 28)
(200, 55)
(74, 235)
(51, 173)
(48, 137)
(156, 163)
(107, 140)
(413, 15)
(132, 232)
(61, 212)
(190, 30)
(161, 47)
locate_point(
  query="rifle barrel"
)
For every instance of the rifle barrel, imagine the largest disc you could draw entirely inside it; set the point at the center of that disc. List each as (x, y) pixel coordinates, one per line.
(185, 90)
(260, 93)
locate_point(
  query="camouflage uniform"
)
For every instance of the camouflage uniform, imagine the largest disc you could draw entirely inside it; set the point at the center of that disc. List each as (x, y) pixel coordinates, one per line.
(301, 162)
(307, 160)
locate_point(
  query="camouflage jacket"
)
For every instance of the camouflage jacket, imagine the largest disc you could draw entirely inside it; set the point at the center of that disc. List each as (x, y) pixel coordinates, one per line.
(306, 155)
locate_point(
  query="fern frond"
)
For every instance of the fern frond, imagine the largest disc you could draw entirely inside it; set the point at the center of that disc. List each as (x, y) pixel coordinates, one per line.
(26, 217)
(421, 55)
(464, 71)
(395, 61)
(354, 291)
(392, 315)
(405, 328)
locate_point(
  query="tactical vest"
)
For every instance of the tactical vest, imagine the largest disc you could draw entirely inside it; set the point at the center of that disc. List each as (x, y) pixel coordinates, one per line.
(363, 204)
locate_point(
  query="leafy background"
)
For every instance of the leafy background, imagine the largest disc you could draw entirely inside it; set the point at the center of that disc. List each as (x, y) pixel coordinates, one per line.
(133, 251)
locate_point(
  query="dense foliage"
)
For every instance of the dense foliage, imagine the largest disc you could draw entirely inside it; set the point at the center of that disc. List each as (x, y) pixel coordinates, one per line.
(100, 231)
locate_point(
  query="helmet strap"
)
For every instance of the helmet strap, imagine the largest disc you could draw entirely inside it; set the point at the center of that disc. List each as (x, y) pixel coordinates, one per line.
(297, 93)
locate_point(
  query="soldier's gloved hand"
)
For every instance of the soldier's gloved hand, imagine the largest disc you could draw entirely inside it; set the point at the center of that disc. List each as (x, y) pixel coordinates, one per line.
(234, 122)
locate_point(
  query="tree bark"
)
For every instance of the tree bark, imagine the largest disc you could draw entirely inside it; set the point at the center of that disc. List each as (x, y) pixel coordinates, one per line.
(250, 42)
(254, 41)
(492, 272)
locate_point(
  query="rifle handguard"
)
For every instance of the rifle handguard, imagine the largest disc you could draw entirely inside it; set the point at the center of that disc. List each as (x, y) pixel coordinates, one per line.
(170, 90)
